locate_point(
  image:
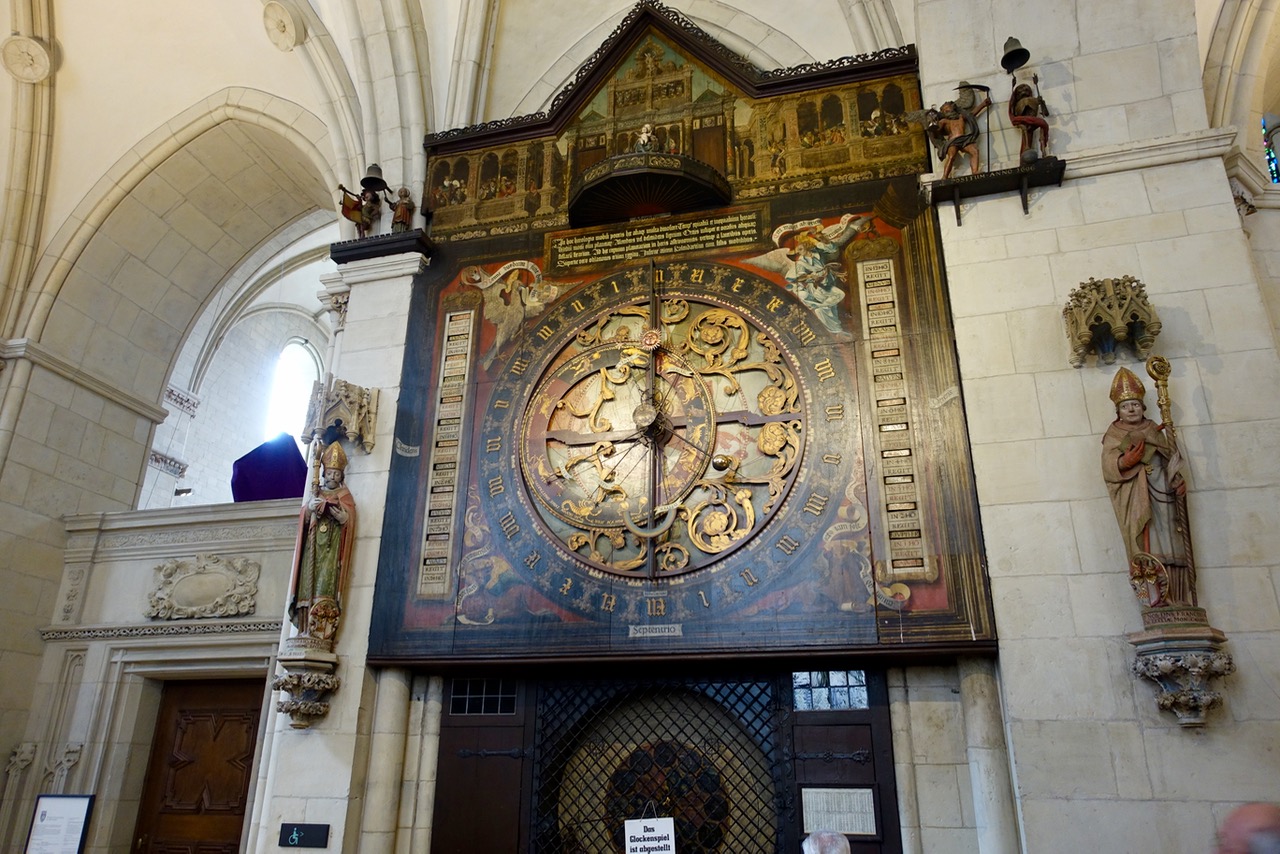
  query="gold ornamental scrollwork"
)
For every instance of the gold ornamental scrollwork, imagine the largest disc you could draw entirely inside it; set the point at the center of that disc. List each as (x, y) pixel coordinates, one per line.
(661, 436)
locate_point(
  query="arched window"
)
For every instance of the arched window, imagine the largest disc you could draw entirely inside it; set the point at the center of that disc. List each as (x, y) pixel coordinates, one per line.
(1268, 136)
(297, 370)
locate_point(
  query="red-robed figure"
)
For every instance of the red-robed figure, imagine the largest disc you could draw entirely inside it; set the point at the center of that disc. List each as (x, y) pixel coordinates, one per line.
(1146, 479)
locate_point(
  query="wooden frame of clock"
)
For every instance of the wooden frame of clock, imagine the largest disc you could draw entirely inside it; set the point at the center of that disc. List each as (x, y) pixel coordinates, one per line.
(719, 433)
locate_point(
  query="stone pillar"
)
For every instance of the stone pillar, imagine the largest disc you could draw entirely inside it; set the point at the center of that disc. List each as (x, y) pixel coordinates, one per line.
(12, 787)
(386, 762)
(904, 767)
(993, 811)
(318, 774)
(791, 116)
(417, 813)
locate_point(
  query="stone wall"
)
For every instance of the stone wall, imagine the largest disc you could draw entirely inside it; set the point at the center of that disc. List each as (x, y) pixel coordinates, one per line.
(112, 642)
(1094, 759)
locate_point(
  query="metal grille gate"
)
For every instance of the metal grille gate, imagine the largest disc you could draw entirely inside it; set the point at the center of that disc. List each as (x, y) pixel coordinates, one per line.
(711, 753)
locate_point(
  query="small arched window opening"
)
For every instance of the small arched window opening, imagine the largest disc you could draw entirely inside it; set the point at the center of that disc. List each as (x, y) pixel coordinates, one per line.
(1271, 124)
(297, 370)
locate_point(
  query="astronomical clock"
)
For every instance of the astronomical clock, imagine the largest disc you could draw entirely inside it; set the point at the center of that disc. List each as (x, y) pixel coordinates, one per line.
(681, 381)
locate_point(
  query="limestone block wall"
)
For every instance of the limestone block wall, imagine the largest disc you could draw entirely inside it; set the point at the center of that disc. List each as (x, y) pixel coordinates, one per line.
(1110, 73)
(75, 447)
(931, 763)
(103, 660)
(1096, 765)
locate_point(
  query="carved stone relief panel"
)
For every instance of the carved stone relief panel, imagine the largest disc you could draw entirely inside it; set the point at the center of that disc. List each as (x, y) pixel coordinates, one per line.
(212, 586)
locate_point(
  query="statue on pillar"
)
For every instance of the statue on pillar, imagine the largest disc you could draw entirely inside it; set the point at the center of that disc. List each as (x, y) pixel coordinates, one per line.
(1027, 113)
(365, 208)
(322, 551)
(954, 127)
(402, 209)
(1146, 479)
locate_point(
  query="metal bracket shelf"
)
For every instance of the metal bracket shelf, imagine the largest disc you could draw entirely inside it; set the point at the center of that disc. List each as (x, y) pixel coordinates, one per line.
(1042, 173)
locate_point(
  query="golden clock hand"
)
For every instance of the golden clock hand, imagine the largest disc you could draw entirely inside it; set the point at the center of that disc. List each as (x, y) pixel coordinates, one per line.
(705, 453)
(614, 471)
(653, 297)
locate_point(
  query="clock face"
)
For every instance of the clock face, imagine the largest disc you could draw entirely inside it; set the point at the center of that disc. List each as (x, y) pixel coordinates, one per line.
(673, 435)
(661, 436)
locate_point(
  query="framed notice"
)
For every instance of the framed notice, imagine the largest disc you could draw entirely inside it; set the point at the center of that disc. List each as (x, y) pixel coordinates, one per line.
(59, 824)
(848, 811)
(650, 835)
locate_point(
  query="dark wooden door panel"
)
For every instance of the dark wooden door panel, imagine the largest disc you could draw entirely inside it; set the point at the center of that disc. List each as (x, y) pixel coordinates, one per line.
(478, 803)
(834, 754)
(197, 784)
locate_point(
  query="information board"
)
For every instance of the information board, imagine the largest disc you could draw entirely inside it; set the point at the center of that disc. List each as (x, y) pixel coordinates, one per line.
(59, 824)
(650, 836)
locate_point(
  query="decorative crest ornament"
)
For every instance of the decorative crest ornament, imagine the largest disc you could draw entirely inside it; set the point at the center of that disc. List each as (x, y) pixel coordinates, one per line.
(211, 586)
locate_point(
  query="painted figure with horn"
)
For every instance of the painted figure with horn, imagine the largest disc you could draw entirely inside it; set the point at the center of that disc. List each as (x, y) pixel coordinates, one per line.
(322, 551)
(365, 209)
(1146, 478)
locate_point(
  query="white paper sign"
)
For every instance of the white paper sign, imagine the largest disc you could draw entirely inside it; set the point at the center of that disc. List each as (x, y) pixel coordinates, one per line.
(650, 836)
(58, 824)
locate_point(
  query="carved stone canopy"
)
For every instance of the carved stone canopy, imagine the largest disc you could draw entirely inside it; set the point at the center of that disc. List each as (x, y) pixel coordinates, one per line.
(342, 410)
(1101, 313)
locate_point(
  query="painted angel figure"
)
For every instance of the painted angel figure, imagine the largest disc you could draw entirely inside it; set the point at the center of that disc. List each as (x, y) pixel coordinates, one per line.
(512, 295)
(953, 127)
(808, 257)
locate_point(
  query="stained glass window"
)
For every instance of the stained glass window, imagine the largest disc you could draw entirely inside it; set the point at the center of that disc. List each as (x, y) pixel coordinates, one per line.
(829, 690)
(1272, 168)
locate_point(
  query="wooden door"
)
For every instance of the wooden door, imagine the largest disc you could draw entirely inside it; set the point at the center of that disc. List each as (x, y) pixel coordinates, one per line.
(843, 754)
(197, 784)
(482, 792)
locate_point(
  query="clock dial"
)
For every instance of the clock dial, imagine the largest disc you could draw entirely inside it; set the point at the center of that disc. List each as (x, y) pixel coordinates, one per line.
(658, 451)
(666, 443)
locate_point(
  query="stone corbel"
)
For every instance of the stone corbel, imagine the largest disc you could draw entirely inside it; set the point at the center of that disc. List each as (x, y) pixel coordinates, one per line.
(1182, 654)
(309, 678)
(1242, 197)
(1100, 314)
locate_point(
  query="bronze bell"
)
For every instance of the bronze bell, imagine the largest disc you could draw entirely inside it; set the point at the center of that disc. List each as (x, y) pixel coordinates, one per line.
(372, 179)
(1015, 55)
